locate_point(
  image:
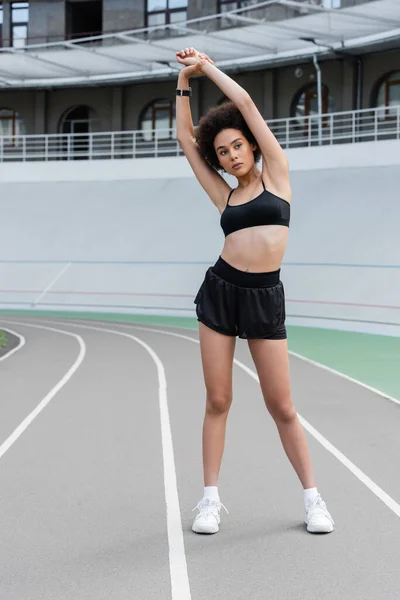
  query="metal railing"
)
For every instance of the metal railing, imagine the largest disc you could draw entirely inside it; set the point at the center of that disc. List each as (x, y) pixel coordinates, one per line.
(364, 125)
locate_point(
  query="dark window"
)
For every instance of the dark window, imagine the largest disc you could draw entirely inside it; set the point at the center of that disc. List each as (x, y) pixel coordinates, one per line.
(160, 115)
(11, 125)
(76, 125)
(19, 24)
(77, 120)
(305, 104)
(228, 6)
(164, 12)
(388, 95)
(306, 101)
(83, 19)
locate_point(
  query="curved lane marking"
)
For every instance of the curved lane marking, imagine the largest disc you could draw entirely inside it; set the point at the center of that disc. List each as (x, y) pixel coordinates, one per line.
(22, 343)
(42, 405)
(177, 559)
(371, 485)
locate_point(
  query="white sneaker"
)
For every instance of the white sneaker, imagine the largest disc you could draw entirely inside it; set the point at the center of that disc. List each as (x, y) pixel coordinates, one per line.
(208, 518)
(318, 519)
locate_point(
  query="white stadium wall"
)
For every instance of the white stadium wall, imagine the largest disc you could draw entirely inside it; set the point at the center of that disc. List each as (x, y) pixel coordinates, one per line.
(137, 235)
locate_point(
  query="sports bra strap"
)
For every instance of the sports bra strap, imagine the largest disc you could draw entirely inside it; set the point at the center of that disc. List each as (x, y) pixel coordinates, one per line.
(227, 202)
(265, 189)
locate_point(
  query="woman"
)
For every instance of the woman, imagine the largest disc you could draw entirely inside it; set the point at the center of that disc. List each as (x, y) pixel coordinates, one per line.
(242, 294)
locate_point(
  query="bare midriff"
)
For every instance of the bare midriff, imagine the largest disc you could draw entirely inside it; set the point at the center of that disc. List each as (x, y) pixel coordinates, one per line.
(257, 249)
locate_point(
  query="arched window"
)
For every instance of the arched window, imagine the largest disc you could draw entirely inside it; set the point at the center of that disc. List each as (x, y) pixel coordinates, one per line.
(11, 125)
(305, 103)
(78, 119)
(159, 115)
(388, 94)
(76, 124)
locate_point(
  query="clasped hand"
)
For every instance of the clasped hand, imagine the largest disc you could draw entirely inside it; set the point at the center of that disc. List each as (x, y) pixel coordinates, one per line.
(192, 60)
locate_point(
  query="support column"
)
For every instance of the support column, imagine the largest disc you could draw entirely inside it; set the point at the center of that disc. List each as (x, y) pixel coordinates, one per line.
(268, 94)
(6, 24)
(348, 85)
(274, 92)
(358, 77)
(117, 109)
(40, 113)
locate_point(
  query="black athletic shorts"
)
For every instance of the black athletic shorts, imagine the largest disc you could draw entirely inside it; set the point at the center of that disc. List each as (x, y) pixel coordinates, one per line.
(238, 303)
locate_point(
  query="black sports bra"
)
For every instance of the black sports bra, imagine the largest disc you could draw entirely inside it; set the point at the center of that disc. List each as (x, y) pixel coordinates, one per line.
(265, 209)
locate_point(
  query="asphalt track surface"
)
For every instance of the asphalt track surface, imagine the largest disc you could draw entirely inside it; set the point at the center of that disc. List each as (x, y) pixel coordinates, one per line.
(100, 466)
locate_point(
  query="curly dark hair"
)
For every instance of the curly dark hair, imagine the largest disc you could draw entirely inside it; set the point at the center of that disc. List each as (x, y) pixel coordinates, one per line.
(225, 116)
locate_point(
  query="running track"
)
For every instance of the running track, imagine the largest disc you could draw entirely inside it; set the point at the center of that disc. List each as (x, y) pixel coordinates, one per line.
(100, 466)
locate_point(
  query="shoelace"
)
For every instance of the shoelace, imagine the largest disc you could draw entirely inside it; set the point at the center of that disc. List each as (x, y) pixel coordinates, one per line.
(206, 505)
(319, 503)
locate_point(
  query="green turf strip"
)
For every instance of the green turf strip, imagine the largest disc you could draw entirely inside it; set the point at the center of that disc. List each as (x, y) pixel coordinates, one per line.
(372, 359)
(3, 339)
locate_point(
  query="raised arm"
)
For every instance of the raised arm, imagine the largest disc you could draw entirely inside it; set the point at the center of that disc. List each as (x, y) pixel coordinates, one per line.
(213, 184)
(184, 122)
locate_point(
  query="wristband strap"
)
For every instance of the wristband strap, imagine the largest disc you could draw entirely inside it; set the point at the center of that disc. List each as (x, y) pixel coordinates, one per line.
(184, 92)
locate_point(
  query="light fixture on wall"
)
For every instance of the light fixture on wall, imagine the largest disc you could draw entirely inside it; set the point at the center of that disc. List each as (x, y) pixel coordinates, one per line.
(298, 72)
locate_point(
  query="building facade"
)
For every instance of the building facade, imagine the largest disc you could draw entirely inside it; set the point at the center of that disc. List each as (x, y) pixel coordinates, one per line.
(349, 82)
(39, 21)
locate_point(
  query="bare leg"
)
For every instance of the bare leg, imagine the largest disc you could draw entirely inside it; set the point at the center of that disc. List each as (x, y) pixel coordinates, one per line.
(272, 363)
(217, 352)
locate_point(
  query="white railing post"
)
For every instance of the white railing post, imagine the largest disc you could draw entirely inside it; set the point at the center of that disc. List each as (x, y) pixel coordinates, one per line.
(1, 149)
(112, 145)
(309, 130)
(24, 148)
(287, 133)
(156, 144)
(376, 124)
(46, 147)
(134, 145)
(90, 146)
(398, 122)
(320, 129)
(69, 146)
(353, 127)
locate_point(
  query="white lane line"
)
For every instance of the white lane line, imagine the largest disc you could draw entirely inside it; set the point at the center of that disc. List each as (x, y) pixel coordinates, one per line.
(321, 366)
(364, 385)
(371, 485)
(42, 405)
(177, 559)
(300, 356)
(22, 343)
